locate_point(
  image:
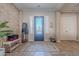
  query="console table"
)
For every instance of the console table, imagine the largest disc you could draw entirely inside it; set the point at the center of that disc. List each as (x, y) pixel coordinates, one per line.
(11, 45)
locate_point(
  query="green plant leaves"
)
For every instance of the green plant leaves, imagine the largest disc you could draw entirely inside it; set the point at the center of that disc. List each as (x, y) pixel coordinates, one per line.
(5, 31)
(4, 24)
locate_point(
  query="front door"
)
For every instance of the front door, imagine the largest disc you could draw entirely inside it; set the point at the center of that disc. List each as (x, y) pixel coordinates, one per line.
(39, 28)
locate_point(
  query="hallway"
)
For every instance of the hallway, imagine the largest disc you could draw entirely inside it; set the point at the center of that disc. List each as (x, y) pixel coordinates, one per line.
(63, 48)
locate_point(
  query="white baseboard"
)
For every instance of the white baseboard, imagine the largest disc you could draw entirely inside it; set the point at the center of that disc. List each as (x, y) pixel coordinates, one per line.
(76, 40)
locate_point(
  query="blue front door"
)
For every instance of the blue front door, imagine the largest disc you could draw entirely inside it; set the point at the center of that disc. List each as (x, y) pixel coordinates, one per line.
(39, 28)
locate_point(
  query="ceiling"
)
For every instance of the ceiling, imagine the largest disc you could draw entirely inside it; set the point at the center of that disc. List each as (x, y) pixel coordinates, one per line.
(63, 7)
(70, 7)
(39, 6)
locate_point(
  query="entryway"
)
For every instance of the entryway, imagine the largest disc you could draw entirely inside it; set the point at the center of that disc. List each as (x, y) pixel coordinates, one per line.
(39, 28)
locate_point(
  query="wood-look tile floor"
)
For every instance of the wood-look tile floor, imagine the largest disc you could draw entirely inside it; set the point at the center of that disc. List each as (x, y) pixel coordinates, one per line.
(41, 48)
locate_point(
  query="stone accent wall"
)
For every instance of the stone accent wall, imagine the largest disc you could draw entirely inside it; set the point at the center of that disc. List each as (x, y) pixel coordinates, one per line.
(8, 12)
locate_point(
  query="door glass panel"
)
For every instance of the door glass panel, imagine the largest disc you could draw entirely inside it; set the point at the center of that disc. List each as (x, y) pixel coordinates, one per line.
(38, 25)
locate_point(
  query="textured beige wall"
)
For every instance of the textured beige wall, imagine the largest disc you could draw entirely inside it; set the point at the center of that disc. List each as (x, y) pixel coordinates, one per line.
(8, 12)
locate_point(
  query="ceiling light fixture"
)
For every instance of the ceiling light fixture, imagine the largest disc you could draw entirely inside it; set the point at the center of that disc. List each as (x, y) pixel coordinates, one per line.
(38, 5)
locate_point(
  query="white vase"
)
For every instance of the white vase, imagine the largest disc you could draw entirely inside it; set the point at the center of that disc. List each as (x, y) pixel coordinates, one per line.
(2, 51)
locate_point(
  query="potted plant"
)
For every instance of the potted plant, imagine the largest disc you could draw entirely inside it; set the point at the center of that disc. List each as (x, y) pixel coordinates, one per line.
(4, 31)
